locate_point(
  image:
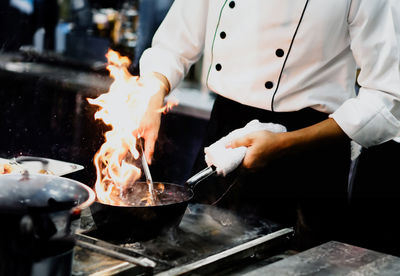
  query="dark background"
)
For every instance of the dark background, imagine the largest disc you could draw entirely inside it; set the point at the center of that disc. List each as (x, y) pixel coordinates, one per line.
(44, 118)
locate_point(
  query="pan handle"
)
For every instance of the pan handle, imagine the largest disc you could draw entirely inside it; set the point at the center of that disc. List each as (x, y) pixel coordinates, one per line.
(200, 176)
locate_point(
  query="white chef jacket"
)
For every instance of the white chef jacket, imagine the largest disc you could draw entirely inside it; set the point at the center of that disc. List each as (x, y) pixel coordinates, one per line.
(258, 53)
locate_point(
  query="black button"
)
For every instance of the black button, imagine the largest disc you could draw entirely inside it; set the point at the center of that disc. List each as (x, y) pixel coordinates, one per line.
(218, 67)
(279, 53)
(269, 84)
(232, 4)
(222, 35)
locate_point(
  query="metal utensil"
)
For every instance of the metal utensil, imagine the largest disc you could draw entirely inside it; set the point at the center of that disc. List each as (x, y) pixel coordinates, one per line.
(147, 173)
(110, 250)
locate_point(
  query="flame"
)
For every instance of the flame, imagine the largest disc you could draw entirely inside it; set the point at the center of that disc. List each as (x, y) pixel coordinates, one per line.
(160, 188)
(148, 199)
(121, 108)
(169, 105)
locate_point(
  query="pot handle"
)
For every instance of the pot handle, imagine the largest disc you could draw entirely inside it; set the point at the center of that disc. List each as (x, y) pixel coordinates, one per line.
(22, 159)
(200, 176)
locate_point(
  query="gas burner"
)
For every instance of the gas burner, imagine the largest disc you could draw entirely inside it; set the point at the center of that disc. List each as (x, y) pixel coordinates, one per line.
(206, 238)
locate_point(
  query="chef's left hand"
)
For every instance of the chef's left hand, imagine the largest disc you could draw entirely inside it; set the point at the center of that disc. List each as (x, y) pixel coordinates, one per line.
(262, 148)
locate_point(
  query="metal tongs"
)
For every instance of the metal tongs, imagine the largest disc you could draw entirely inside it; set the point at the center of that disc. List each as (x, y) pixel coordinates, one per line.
(146, 169)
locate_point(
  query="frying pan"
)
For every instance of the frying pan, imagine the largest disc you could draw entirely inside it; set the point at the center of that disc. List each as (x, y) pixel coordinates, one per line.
(138, 223)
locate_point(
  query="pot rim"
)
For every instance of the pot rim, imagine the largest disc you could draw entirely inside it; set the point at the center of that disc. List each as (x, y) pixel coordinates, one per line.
(91, 194)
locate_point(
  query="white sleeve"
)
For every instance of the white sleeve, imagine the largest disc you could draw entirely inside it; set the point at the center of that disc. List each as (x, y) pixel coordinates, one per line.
(178, 42)
(373, 117)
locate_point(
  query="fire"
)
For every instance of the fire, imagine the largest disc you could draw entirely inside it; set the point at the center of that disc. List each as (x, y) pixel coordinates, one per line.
(170, 104)
(121, 108)
(160, 188)
(147, 199)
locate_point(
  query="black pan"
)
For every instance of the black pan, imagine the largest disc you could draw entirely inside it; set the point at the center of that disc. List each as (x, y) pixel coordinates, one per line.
(137, 223)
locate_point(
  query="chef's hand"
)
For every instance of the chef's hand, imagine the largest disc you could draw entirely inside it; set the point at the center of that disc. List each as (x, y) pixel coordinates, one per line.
(265, 146)
(262, 148)
(150, 123)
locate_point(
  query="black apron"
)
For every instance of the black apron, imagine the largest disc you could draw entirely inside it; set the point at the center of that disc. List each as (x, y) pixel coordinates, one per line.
(375, 202)
(307, 191)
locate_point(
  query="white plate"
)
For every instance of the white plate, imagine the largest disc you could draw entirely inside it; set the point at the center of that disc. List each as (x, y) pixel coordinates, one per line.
(40, 165)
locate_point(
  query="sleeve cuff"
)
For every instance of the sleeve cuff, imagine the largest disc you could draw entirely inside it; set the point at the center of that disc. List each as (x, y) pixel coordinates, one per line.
(366, 122)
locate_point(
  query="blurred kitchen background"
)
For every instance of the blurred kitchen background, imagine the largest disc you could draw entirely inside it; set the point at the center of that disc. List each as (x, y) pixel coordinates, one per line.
(52, 57)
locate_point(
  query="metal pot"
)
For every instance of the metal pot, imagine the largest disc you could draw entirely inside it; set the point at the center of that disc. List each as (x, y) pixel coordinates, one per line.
(36, 211)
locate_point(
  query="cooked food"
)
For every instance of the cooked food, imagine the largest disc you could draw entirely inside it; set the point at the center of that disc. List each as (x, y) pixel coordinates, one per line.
(43, 171)
(5, 168)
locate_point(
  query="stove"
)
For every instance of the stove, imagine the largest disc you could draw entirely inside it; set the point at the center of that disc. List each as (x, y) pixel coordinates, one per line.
(208, 240)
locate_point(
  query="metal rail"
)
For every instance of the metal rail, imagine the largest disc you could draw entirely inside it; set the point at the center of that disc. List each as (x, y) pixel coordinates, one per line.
(236, 253)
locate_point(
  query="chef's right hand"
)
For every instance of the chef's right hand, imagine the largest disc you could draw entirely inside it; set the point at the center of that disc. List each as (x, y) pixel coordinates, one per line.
(150, 123)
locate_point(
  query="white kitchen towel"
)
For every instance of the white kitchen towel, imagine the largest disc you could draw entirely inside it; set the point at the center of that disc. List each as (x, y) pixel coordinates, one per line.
(226, 159)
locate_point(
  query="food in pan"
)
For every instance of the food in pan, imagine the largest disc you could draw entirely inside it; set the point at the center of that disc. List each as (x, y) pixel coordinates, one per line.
(5, 168)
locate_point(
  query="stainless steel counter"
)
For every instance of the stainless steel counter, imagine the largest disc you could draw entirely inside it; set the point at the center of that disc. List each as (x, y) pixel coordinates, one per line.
(207, 241)
(192, 102)
(332, 258)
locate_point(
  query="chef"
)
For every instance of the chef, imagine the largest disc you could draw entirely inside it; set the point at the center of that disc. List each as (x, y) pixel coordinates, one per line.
(289, 62)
